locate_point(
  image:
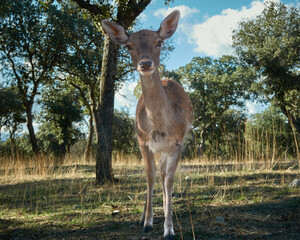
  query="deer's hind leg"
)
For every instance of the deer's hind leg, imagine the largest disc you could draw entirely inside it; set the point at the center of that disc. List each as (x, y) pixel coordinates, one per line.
(147, 217)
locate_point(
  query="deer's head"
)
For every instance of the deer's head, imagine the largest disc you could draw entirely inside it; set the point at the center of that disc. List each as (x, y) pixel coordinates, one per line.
(144, 46)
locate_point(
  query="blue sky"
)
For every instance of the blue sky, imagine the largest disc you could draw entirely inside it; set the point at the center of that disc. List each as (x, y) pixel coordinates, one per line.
(204, 29)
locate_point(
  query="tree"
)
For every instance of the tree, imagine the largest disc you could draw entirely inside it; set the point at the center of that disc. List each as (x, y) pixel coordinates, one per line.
(124, 137)
(81, 68)
(216, 85)
(61, 109)
(11, 114)
(31, 44)
(126, 11)
(82, 63)
(271, 44)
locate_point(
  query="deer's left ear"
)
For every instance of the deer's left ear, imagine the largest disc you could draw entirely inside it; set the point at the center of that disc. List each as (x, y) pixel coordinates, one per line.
(169, 25)
(115, 32)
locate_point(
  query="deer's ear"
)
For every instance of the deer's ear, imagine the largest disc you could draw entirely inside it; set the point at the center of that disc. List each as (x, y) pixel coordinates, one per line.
(169, 25)
(115, 32)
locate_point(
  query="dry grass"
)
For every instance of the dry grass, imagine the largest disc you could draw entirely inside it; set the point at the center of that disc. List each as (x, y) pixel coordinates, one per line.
(39, 200)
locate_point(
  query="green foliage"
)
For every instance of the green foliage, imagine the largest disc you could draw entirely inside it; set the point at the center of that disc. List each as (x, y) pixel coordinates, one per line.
(23, 145)
(270, 43)
(124, 137)
(31, 45)
(216, 85)
(11, 109)
(61, 110)
(11, 114)
(48, 141)
(82, 63)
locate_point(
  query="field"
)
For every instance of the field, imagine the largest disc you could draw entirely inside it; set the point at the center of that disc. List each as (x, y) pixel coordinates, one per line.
(210, 201)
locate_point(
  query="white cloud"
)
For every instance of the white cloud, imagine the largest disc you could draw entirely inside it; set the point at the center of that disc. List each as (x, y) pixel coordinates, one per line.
(125, 97)
(143, 17)
(213, 37)
(185, 11)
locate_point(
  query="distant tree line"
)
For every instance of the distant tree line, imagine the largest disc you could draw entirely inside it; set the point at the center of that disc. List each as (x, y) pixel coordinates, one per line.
(53, 60)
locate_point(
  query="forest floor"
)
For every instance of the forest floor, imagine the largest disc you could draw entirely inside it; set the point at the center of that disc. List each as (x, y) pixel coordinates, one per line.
(210, 201)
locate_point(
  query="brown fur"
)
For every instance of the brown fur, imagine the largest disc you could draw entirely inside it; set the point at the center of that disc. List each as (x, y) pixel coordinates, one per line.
(181, 106)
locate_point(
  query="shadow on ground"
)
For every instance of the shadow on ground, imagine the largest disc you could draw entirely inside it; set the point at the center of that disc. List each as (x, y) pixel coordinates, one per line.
(78, 209)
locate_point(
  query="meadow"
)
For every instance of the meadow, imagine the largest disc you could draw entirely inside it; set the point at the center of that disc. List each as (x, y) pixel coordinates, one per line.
(211, 200)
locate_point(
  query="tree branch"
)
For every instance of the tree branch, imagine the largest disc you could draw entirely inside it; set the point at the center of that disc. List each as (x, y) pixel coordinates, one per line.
(94, 9)
(133, 9)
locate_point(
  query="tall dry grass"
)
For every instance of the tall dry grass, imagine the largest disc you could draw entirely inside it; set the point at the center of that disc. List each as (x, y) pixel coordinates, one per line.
(259, 145)
(253, 146)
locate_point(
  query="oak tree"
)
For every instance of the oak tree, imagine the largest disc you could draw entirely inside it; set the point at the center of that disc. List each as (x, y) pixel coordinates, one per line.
(271, 44)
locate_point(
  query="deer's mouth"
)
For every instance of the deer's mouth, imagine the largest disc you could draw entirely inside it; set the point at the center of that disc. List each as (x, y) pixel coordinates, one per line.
(147, 72)
(145, 66)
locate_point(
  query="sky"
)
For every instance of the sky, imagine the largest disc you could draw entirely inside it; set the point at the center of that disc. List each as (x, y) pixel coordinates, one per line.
(205, 29)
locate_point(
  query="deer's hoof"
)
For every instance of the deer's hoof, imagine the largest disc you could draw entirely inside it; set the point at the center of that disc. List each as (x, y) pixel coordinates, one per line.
(148, 229)
(170, 237)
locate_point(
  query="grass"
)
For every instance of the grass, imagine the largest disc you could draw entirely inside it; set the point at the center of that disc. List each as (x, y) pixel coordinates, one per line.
(41, 201)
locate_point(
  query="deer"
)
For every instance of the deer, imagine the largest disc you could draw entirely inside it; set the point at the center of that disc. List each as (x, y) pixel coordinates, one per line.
(164, 113)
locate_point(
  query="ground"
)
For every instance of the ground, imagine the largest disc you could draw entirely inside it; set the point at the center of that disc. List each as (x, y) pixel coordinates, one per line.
(210, 201)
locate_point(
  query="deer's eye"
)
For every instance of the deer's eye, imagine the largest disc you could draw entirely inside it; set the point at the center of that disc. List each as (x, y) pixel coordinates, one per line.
(128, 47)
(159, 43)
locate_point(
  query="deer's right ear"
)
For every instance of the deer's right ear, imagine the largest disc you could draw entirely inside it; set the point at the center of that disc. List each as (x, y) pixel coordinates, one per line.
(115, 32)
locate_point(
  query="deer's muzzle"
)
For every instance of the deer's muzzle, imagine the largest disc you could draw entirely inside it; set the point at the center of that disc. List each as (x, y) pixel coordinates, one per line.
(145, 66)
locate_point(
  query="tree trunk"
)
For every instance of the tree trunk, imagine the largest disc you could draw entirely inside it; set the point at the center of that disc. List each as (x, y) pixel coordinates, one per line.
(62, 151)
(293, 120)
(103, 114)
(296, 122)
(12, 146)
(202, 144)
(88, 149)
(32, 137)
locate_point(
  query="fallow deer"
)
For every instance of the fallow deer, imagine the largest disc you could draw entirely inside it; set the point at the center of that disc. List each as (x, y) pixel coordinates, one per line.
(164, 112)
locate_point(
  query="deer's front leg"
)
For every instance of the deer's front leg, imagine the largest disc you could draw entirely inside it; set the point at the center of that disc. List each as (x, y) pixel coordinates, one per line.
(147, 217)
(168, 165)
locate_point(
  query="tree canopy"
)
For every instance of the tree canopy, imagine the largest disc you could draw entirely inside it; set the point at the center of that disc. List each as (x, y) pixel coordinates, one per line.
(271, 44)
(31, 44)
(216, 85)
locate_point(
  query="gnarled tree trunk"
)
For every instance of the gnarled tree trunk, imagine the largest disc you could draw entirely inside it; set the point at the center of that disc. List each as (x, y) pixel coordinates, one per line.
(32, 137)
(104, 112)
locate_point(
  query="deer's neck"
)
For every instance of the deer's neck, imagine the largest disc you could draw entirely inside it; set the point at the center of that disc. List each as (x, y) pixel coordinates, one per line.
(157, 103)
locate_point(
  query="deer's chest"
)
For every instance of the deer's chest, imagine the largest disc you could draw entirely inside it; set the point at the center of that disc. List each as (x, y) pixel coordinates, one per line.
(159, 136)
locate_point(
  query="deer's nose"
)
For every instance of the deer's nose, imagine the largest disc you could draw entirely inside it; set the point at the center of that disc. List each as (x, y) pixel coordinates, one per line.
(145, 64)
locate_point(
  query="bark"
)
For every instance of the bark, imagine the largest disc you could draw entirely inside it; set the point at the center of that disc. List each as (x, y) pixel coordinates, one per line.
(12, 146)
(63, 149)
(104, 112)
(88, 149)
(32, 137)
(294, 121)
